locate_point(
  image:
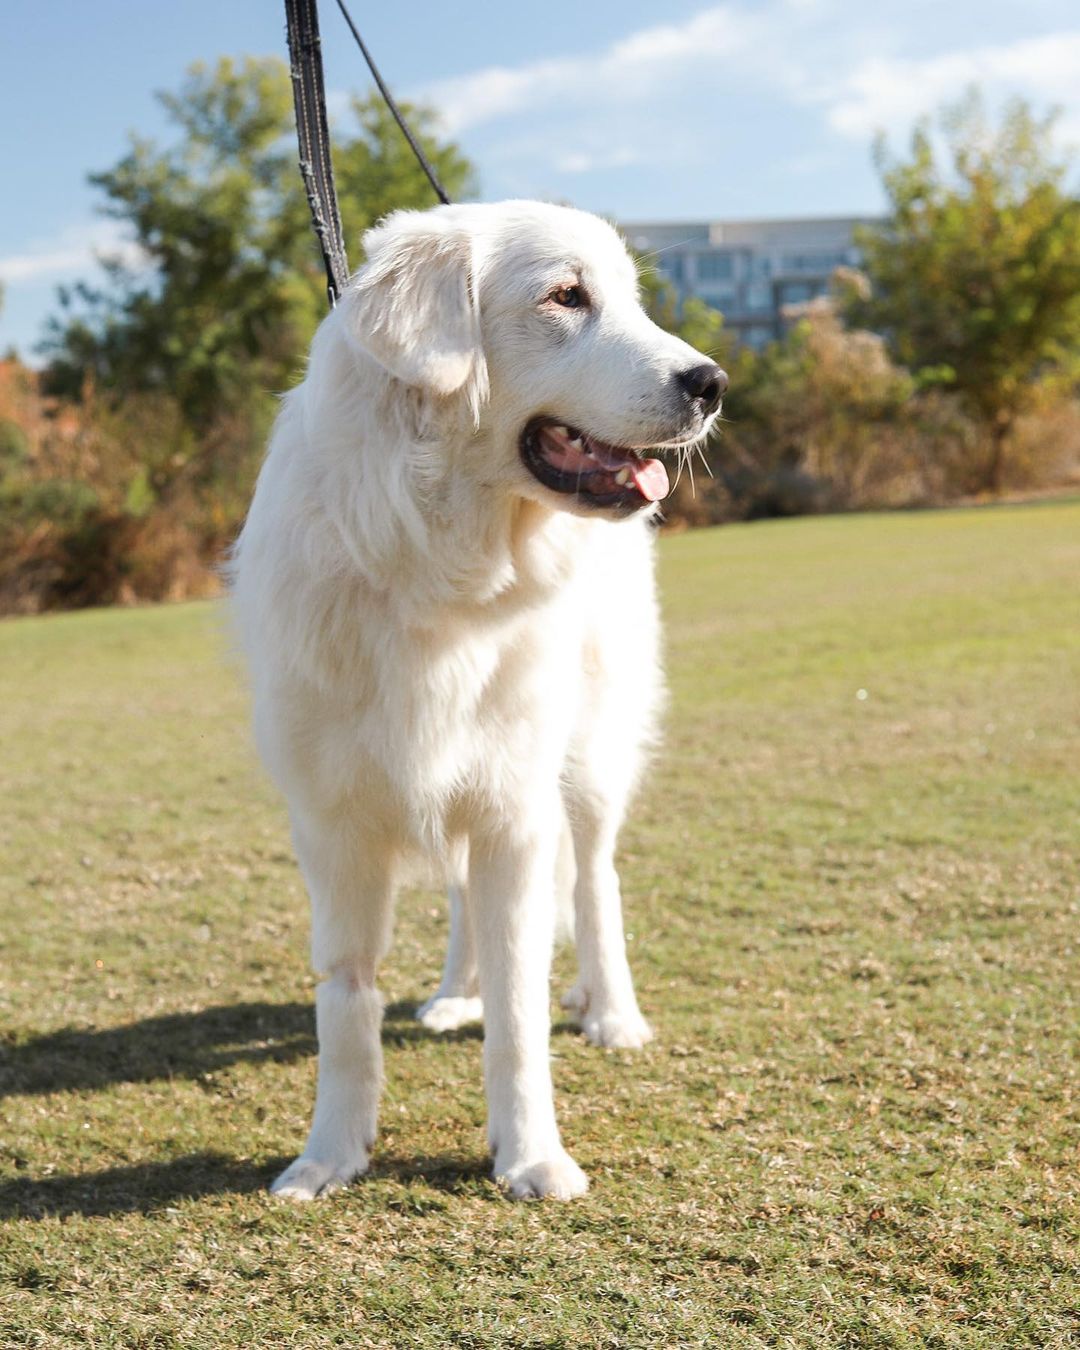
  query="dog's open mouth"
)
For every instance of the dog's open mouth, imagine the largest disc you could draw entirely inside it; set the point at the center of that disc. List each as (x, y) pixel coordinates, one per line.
(567, 460)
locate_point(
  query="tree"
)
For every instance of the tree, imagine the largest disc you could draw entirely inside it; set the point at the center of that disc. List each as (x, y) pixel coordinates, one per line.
(174, 358)
(695, 321)
(818, 416)
(976, 271)
(223, 285)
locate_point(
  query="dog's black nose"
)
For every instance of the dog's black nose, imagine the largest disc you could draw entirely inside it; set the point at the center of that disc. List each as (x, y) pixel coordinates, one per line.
(706, 384)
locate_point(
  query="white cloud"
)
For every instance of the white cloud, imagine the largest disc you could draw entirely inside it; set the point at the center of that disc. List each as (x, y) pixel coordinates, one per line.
(584, 161)
(74, 251)
(889, 94)
(749, 106)
(36, 266)
(805, 54)
(629, 68)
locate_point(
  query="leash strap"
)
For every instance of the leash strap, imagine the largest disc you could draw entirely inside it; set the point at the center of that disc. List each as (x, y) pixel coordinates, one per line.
(316, 167)
(414, 145)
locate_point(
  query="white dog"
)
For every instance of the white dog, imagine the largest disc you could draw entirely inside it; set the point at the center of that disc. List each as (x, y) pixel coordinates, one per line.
(445, 591)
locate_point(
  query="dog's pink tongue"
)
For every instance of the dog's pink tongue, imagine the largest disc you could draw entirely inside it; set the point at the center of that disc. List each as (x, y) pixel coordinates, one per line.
(651, 478)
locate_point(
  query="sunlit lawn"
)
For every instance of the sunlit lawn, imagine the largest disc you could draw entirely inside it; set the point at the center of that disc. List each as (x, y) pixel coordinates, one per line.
(852, 887)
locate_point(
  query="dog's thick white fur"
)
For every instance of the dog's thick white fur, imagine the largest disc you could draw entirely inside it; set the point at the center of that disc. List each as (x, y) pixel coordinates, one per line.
(453, 662)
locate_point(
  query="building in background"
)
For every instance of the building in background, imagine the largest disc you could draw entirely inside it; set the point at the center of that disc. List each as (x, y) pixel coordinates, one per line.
(750, 269)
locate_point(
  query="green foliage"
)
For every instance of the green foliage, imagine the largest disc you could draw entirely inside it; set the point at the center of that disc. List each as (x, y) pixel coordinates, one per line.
(376, 172)
(140, 496)
(817, 401)
(176, 357)
(14, 446)
(694, 321)
(63, 503)
(225, 286)
(57, 544)
(976, 272)
(826, 418)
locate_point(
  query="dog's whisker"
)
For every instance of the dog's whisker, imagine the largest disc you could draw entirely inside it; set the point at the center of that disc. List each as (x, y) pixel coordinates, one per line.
(679, 469)
(656, 252)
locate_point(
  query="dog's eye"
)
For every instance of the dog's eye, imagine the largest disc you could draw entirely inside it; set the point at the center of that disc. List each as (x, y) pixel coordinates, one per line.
(570, 297)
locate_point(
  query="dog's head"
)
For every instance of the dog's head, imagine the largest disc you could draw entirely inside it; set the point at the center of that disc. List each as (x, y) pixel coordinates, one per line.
(530, 316)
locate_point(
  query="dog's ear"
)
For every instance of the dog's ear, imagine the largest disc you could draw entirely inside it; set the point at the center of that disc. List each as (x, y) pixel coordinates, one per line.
(413, 305)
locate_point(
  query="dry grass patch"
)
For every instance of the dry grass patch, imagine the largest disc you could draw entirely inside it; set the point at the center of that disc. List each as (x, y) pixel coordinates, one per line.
(854, 927)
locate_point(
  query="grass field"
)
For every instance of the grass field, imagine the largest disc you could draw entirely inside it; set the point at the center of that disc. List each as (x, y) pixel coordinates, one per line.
(852, 885)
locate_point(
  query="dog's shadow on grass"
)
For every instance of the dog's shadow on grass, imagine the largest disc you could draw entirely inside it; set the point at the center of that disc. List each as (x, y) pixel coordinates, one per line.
(175, 1045)
(192, 1045)
(154, 1187)
(142, 1188)
(187, 1045)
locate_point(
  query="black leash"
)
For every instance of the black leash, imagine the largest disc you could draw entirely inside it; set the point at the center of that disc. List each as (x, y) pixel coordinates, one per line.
(316, 166)
(425, 164)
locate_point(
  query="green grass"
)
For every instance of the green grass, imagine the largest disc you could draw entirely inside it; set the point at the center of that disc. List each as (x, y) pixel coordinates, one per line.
(855, 929)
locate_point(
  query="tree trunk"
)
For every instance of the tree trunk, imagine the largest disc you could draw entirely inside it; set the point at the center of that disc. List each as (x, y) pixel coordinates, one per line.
(995, 469)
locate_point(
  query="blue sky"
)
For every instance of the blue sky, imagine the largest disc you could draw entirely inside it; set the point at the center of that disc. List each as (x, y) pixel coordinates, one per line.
(639, 110)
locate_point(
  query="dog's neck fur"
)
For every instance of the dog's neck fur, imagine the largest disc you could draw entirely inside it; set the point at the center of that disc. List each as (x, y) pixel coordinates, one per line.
(462, 540)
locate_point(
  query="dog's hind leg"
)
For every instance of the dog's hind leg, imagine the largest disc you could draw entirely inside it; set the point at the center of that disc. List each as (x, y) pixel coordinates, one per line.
(588, 909)
(603, 999)
(351, 888)
(457, 1000)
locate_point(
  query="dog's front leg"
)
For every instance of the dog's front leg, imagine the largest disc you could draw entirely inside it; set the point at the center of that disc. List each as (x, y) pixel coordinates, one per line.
(511, 889)
(349, 879)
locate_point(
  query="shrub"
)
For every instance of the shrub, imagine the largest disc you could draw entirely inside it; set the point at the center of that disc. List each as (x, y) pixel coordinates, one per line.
(825, 420)
(14, 447)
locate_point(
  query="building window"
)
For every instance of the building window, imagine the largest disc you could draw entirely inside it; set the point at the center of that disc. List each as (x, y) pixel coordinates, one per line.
(797, 292)
(759, 296)
(721, 296)
(814, 262)
(715, 267)
(757, 335)
(672, 267)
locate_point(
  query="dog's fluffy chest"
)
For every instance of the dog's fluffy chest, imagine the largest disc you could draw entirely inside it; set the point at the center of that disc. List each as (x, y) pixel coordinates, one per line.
(425, 669)
(451, 715)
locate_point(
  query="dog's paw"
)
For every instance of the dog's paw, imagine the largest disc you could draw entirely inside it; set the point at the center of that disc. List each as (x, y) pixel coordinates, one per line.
(557, 1178)
(306, 1178)
(616, 1030)
(448, 1013)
